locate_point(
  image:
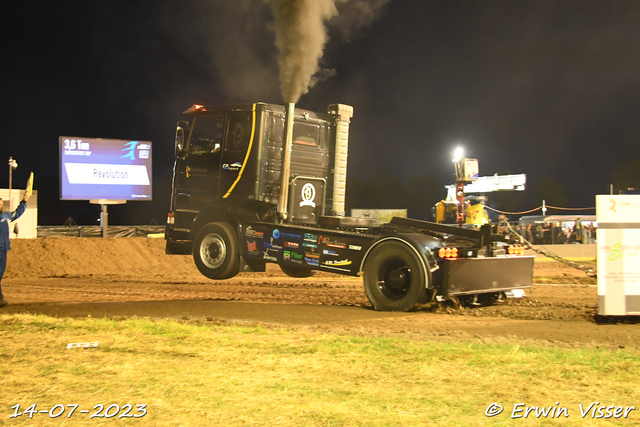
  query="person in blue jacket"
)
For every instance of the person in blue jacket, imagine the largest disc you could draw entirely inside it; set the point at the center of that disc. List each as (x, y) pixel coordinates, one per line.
(5, 219)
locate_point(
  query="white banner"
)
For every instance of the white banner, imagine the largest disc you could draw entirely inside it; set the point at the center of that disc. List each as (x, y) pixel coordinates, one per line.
(104, 174)
(618, 208)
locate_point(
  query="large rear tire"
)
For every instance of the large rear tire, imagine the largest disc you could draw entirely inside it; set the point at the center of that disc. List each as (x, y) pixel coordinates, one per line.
(296, 271)
(215, 251)
(394, 278)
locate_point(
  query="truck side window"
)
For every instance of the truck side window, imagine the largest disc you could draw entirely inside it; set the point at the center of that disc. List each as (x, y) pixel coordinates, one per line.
(275, 128)
(206, 136)
(239, 131)
(306, 134)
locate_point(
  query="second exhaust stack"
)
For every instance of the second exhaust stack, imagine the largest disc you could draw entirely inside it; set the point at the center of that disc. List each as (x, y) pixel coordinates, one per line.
(344, 113)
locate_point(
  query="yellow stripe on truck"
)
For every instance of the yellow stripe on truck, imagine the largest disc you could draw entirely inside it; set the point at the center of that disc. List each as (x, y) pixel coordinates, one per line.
(246, 158)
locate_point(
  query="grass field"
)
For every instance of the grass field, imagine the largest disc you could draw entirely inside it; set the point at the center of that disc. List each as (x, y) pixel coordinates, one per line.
(207, 374)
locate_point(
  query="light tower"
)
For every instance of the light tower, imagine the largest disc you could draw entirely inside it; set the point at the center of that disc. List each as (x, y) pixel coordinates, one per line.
(12, 165)
(466, 172)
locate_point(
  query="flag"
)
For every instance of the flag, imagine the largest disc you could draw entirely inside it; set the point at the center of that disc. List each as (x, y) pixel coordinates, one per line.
(29, 189)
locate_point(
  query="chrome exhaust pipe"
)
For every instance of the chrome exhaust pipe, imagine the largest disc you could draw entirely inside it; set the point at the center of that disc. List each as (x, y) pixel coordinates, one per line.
(283, 199)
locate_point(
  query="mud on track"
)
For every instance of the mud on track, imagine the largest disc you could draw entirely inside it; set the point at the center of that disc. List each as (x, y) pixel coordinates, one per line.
(132, 276)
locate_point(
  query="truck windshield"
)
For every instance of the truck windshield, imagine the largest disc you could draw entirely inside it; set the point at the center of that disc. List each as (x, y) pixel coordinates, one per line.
(206, 135)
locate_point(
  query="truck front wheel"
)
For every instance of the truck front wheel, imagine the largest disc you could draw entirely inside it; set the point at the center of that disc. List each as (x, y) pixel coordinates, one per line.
(215, 251)
(394, 278)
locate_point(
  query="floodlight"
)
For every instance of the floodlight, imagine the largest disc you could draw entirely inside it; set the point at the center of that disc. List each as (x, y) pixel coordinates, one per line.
(457, 154)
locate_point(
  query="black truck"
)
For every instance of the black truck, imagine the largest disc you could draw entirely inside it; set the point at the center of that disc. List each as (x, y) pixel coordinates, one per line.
(258, 183)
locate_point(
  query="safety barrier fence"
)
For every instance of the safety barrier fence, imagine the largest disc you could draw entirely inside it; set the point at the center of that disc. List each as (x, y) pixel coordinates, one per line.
(540, 208)
(96, 231)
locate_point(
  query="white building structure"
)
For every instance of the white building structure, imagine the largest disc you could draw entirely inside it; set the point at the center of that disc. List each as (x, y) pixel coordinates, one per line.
(28, 222)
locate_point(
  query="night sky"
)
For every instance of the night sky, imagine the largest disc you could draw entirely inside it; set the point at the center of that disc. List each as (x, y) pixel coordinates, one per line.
(545, 88)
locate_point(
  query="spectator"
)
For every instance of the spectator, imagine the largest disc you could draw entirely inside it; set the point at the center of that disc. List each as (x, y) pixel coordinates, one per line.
(586, 239)
(5, 245)
(578, 230)
(592, 233)
(559, 237)
(546, 233)
(521, 231)
(571, 236)
(538, 235)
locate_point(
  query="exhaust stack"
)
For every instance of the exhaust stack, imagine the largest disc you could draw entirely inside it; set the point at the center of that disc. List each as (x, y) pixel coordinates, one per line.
(344, 113)
(283, 199)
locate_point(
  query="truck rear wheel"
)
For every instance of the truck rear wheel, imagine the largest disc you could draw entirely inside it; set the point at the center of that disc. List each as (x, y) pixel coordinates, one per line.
(215, 251)
(296, 271)
(394, 279)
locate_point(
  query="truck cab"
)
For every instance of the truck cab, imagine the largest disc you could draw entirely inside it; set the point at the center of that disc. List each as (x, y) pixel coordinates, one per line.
(229, 161)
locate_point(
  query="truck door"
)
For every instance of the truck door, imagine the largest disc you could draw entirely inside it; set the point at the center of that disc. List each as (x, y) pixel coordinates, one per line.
(199, 170)
(234, 156)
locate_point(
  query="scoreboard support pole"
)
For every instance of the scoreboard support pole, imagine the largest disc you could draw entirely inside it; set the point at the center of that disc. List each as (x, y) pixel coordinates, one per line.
(104, 220)
(104, 215)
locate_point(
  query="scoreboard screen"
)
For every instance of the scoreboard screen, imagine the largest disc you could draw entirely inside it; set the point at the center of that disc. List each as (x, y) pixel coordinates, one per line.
(94, 168)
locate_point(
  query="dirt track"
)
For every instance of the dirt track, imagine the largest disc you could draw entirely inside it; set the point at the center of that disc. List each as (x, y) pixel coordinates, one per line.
(132, 276)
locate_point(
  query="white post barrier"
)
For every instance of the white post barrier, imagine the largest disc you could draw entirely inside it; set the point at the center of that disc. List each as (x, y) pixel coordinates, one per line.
(618, 253)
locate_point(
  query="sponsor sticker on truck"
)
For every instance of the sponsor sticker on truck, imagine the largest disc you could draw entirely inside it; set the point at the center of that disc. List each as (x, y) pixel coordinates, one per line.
(328, 252)
(337, 263)
(294, 257)
(267, 255)
(252, 247)
(308, 237)
(250, 232)
(311, 261)
(272, 245)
